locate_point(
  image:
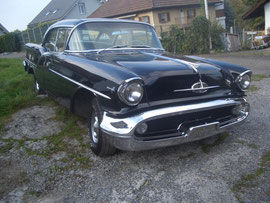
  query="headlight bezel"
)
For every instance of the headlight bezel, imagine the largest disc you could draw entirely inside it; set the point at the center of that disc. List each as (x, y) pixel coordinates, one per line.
(240, 77)
(123, 88)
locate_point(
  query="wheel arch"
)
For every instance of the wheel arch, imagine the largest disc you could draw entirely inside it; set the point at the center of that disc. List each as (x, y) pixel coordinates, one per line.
(81, 102)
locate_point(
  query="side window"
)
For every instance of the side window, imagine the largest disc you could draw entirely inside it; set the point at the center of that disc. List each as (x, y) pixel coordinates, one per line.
(144, 19)
(191, 13)
(164, 17)
(83, 39)
(50, 40)
(62, 36)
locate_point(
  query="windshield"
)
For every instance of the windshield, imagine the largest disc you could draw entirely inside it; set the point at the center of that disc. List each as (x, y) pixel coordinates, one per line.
(104, 35)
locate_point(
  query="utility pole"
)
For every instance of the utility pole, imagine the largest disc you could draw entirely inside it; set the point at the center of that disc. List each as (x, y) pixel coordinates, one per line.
(206, 9)
(207, 16)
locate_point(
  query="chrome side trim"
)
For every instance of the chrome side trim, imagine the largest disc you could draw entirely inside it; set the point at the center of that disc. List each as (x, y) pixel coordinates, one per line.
(81, 85)
(201, 88)
(31, 64)
(108, 124)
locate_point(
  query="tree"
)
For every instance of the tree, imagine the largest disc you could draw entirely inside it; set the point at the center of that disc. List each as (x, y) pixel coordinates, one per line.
(251, 2)
(239, 8)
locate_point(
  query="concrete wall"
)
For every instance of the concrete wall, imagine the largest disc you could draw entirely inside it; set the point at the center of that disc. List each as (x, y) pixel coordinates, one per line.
(267, 17)
(90, 7)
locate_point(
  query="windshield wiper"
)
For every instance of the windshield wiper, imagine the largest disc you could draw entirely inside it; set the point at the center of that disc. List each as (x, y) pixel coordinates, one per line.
(124, 46)
(113, 47)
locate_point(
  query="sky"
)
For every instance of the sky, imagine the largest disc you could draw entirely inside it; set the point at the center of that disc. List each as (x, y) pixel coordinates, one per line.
(17, 14)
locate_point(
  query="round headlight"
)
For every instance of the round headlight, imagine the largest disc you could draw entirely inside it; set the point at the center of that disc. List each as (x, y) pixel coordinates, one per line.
(131, 93)
(243, 81)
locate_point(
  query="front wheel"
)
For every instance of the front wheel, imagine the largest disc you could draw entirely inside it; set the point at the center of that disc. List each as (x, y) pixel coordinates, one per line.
(99, 143)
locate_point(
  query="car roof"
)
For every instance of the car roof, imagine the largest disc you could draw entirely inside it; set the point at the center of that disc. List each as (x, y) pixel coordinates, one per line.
(74, 22)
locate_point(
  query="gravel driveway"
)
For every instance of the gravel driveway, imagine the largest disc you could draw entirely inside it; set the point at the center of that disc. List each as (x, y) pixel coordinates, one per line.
(226, 168)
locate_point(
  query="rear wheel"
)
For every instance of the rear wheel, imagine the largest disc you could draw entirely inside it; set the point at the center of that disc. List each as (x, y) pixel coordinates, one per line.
(38, 90)
(100, 145)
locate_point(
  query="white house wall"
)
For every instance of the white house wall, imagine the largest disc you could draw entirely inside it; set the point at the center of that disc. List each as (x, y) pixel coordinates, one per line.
(267, 16)
(90, 7)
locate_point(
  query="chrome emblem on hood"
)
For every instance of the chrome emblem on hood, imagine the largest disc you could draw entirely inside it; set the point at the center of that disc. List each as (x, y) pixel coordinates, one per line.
(199, 87)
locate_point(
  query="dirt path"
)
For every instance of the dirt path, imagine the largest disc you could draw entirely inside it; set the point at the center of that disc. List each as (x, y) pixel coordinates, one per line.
(13, 55)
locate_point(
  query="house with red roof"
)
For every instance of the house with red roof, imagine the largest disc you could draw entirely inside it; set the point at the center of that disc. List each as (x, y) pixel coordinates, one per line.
(160, 13)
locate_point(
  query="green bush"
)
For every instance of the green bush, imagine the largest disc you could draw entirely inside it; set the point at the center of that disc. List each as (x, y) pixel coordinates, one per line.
(216, 30)
(195, 39)
(168, 40)
(9, 42)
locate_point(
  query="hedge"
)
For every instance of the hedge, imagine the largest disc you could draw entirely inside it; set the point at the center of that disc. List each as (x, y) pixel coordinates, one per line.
(195, 39)
(9, 42)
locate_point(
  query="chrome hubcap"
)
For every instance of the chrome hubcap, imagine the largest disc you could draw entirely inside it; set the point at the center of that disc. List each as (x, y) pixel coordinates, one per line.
(94, 127)
(37, 85)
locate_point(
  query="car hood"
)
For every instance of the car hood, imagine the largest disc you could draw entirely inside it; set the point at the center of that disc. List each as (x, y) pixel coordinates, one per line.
(151, 65)
(166, 76)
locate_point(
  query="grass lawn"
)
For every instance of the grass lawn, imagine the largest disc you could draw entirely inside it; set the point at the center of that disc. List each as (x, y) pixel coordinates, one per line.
(17, 92)
(16, 88)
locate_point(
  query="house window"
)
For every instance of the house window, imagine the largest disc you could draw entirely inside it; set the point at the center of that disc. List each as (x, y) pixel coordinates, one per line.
(191, 13)
(145, 19)
(82, 8)
(164, 17)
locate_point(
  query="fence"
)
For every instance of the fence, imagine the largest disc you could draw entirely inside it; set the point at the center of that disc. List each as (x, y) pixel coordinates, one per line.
(34, 35)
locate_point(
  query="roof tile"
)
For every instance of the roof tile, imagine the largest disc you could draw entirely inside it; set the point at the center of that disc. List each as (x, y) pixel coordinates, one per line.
(115, 8)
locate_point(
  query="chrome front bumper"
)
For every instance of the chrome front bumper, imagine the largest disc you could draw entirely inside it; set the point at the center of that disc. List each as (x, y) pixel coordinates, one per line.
(120, 132)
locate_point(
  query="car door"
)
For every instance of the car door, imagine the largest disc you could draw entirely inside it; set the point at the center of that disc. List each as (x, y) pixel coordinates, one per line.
(55, 63)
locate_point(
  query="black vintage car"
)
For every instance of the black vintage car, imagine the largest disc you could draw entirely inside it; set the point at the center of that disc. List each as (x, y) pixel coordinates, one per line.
(135, 95)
